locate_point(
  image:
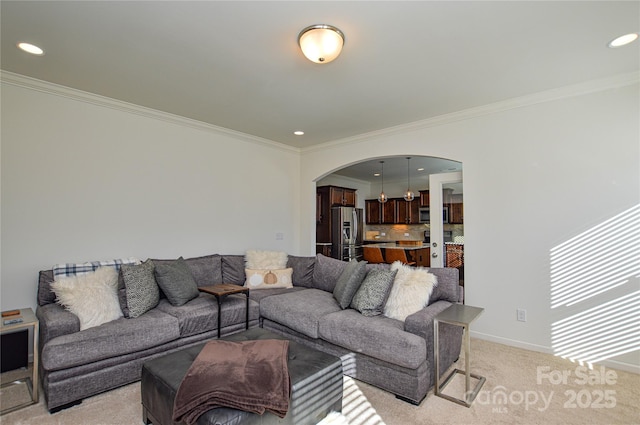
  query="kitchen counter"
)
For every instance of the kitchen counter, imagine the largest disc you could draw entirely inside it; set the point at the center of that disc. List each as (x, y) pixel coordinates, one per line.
(393, 245)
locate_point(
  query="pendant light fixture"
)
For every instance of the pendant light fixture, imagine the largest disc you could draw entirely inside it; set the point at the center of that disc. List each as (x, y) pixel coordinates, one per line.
(408, 196)
(382, 198)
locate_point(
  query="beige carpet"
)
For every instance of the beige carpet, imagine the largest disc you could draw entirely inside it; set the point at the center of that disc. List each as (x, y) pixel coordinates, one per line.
(522, 387)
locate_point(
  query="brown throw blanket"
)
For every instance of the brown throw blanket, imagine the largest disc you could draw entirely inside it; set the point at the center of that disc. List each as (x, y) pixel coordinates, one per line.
(248, 375)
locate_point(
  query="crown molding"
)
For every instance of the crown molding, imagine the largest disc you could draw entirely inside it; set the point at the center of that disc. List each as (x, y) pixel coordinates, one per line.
(30, 83)
(574, 90)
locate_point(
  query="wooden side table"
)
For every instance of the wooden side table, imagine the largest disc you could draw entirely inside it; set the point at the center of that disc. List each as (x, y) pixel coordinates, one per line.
(29, 320)
(461, 315)
(221, 291)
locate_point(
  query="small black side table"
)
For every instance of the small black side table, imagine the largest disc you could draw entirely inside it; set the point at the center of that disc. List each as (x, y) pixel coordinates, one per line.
(221, 291)
(461, 315)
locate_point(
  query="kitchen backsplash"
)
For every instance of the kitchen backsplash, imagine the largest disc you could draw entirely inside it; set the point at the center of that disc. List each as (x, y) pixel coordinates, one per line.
(395, 232)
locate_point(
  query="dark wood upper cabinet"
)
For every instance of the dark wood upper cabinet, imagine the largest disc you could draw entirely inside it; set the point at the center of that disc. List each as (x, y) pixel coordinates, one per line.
(424, 198)
(407, 212)
(372, 211)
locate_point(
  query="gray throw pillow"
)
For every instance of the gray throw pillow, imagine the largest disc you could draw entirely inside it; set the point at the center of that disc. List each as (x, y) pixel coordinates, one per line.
(140, 289)
(349, 282)
(176, 281)
(326, 272)
(302, 270)
(374, 292)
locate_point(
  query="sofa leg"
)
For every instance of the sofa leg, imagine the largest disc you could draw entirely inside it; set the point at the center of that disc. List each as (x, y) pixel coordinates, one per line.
(408, 400)
(65, 406)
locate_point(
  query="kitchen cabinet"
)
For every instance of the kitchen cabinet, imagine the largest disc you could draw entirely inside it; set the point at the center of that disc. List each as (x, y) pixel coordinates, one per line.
(421, 256)
(407, 212)
(424, 198)
(340, 196)
(327, 197)
(456, 215)
(388, 212)
(394, 211)
(372, 209)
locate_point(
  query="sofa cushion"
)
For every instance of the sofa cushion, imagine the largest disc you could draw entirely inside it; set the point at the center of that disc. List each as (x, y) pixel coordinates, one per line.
(233, 269)
(302, 270)
(448, 287)
(349, 282)
(138, 290)
(93, 297)
(206, 270)
(299, 310)
(116, 338)
(326, 272)
(379, 337)
(176, 281)
(201, 313)
(374, 291)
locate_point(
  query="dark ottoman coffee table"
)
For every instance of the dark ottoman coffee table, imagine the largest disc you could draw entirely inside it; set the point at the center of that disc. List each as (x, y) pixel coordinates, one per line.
(316, 386)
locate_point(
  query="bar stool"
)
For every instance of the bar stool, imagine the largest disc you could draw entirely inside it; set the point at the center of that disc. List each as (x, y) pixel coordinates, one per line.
(394, 254)
(372, 254)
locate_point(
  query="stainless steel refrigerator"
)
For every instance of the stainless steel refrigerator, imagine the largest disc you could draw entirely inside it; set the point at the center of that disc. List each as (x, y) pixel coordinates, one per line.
(346, 233)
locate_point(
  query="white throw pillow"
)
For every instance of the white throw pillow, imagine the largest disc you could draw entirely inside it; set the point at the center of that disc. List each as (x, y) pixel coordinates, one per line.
(410, 291)
(266, 260)
(93, 297)
(266, 279)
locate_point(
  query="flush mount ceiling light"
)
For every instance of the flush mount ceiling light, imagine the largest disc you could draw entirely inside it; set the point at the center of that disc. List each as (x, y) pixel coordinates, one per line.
(321, 43)
(623, 40)
(31, 48)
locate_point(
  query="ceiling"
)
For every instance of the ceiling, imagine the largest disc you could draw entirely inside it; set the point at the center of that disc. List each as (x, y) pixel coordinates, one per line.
(395, 169)
(236, 64)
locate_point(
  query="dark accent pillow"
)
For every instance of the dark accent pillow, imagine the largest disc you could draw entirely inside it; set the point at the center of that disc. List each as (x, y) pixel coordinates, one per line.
(374, 291)
(176, 281)
(326, 272)
(349, 282)
(206, 270)
(138, 285)
(302, 270)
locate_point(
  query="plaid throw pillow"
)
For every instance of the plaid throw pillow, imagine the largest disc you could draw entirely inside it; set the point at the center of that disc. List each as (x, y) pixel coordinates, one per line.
(75, 269)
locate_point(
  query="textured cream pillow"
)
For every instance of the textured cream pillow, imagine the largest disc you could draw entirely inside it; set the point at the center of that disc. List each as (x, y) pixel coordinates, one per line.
(266, 260)
(266, 279)
(410, 291)
(93, 297)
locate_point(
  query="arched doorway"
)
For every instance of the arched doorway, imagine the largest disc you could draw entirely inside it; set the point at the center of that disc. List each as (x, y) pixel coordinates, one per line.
(401, 222)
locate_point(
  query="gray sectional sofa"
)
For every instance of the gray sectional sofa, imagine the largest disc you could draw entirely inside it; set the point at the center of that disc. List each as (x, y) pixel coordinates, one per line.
(391, 354)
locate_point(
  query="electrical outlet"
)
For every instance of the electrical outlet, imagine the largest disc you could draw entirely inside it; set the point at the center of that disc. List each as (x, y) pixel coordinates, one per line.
(521, 315)
(406, 234)
(279, 236)
(383, 234)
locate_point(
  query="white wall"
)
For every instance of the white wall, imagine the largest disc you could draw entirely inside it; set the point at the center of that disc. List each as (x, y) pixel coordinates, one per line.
(91, 180)
(536, 173)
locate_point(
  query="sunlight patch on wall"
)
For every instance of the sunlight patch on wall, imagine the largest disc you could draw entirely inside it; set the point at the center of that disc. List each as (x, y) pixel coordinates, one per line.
(601, 332)
(595, 291)
(597, 260)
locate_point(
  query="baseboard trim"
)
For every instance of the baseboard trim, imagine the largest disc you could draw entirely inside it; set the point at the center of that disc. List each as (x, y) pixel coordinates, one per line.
(614, 364)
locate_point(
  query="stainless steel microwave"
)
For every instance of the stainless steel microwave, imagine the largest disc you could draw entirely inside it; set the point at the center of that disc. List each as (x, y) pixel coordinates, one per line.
(425, 215)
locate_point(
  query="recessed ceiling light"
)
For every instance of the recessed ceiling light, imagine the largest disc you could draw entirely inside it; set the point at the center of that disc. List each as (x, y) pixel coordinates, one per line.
(298, 133)
(623, 40)
(420, 169)
(31, 48)
(376, 174)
